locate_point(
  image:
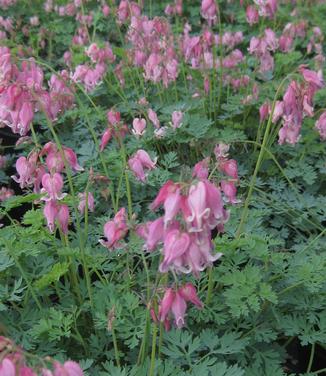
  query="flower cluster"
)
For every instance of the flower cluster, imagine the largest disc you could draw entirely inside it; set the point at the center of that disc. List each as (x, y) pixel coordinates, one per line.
(184, 232)
(31, 172)
(209, 11)
(176, 302)
(140, 163)
(152, 47)
(115, 129)
(91, 76)
(126, 10)
(5, 4)
(198, 49)
(115, 230)
(13, 363)
(174, 9)
(22, 93)
(262, 48)
(296, 104)
(263, 8)
(7, 25)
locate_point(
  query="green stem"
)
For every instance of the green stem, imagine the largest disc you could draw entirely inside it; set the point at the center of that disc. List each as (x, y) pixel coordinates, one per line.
(152, 366)
(210, 285)
(311, 359)
(259, 162)
(115, 345)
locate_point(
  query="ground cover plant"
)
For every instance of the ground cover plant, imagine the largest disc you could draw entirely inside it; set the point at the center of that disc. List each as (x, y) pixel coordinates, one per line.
(162, 199)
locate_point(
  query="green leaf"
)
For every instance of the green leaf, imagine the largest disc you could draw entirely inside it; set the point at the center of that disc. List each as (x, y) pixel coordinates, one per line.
(56, 272)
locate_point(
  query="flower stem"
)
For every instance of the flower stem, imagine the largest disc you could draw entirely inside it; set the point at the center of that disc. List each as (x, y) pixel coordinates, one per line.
(152, 366)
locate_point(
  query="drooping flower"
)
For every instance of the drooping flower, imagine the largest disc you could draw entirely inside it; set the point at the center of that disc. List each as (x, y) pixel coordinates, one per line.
(140, 163)
(200, 170)
(68, 368)
(230, 191)
(252, 15)
(209, 11)
(82, 202)
(25, 170)
(139, 126)
(229, 167)
(153, 118)
(175, 302)
(115, 230)
(55, 161)
(177, 117)
(7, 368)
(321, 126)
(263, 112)
(106, 137)
(52, 186)
(50, 212)
(176, 244)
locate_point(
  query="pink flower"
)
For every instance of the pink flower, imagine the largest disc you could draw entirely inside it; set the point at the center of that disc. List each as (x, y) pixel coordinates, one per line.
(7, 368)
(139, 126)
(106, 137)
(311, 77)
(263, 112)
(115, 230)
(172, 205)
(152, 232)
(230, 191)
(176, 303)
(278, 111)
(126, 10)
(252, 15)
(63, 218)
(25, 170)
(285, 43)
(71, 157)
(189, 293)
(321, 126)
(209, 10)
(114, 117)
(52, 185)
(26, 371)
(105, 10)
(140, 162)
(166, 304)
(290, 131)
(217, 214)
(153, 118)
(54, 160)
(176, 244)
(178, 309)
(229, 167)
(82, 202)
(271, 40)
(177, 117)
(197, 201)
(266, 63)
(165, 190)
(50, 212)
(69, 368)
(201, 169)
